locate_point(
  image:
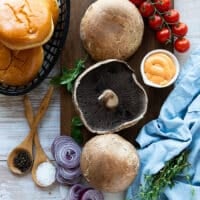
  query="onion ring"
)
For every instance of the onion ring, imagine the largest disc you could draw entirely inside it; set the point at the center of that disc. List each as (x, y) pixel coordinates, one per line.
(69, 173)
(57, 140)
(76, 192)
(60, 179)
(67, 154)
(92, 195)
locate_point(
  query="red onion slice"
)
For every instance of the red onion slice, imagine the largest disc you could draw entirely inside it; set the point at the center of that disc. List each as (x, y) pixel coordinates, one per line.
(67, 154)
(76, 191)
(69, 173)
(58, 140)
(92, 195)
(60, 179)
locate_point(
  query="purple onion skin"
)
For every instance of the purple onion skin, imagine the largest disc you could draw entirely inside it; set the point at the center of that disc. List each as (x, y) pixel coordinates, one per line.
(67, 154)
(57, 140)
(92, 195)
(69, 173)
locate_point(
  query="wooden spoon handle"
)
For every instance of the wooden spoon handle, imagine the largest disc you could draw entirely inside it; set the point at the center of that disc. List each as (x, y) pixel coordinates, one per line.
(28, 110)
(30, 118)
(41, 111)
(42, 108)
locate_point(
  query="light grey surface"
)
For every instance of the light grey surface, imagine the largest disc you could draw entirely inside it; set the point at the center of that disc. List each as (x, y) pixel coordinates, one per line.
(13, 126)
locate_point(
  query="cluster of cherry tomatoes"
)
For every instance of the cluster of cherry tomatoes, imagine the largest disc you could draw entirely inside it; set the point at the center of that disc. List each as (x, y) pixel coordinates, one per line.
(165, 21)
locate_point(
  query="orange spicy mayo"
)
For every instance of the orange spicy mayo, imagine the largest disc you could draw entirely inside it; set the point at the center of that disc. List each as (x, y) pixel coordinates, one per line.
(159, 68)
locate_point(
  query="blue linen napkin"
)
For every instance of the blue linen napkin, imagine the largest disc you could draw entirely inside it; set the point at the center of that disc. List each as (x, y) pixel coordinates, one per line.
(176, 128)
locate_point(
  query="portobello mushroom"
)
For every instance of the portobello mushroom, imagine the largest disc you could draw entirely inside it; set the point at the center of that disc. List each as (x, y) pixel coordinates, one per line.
(109, 163)
(108, 97)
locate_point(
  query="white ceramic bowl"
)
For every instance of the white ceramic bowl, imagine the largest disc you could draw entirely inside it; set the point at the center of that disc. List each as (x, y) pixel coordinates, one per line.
(174, 59)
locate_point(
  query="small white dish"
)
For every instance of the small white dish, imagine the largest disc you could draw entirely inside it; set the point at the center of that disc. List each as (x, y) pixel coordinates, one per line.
(176, 64)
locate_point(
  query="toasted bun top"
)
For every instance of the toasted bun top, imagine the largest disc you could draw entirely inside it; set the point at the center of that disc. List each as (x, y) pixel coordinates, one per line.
(19, 67)
(111, 29)
(25, 23)
(54, 8)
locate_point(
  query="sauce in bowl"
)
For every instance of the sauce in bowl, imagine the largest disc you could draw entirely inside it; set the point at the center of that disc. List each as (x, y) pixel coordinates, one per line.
(159, 68)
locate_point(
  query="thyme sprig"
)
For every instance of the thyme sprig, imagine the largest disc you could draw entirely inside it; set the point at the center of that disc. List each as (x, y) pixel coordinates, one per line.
(156, 183)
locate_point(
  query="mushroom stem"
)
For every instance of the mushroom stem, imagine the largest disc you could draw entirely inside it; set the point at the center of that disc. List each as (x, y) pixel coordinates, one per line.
(109, 99)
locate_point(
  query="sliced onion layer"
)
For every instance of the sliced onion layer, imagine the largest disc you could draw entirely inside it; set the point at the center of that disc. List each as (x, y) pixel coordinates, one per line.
(76, 192)
(69, 173)
(67, 155)
(92, 195)
(66, 152)
(61, 180)
(81, 192)
(58, 140)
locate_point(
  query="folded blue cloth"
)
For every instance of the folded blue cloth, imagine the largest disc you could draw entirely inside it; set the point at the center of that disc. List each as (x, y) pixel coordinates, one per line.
(176, 128)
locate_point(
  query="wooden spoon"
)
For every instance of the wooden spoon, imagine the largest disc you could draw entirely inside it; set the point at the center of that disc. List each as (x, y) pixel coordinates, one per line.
(40, 155)
(27, 144)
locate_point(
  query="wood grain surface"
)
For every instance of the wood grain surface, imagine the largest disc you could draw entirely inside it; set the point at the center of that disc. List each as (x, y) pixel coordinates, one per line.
(74, 50)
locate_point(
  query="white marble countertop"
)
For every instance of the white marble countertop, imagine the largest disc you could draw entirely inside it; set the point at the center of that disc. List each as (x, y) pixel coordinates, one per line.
(13, 125)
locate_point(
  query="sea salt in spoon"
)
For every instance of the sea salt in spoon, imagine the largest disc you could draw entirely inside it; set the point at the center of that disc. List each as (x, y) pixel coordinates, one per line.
(41, 158)
(27, 144)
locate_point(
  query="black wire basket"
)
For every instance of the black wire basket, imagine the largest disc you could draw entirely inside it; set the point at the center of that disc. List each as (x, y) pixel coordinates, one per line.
(52, 50)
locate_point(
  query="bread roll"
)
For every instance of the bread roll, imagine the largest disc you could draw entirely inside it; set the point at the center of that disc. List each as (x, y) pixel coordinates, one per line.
(19, 67)
(25, 23)
(111, 29)
(54, 8)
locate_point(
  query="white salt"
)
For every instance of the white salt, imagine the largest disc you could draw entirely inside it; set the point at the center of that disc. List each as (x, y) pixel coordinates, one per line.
(46, 174)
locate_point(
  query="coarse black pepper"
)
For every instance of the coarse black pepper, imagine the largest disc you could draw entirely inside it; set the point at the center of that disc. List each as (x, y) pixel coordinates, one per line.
(23, 161)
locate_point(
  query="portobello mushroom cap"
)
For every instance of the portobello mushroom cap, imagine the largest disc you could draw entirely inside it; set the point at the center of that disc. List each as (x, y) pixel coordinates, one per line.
(109, 163)
(111, 29)
(108, 97)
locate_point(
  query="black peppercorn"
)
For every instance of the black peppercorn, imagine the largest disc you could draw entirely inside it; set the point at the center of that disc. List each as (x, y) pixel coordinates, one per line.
(22, 161)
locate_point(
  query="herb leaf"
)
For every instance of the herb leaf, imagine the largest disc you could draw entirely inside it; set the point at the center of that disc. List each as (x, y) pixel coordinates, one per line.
(76, 130)
(76, 121)
(68, 76)
(156, 183)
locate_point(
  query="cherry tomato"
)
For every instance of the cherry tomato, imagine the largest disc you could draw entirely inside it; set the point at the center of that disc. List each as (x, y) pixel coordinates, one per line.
(182, 45)
(155, 22)
(146, 9)
(172, 16)
(163, 35)
(163, 5)
(180, 29)
(137, 2)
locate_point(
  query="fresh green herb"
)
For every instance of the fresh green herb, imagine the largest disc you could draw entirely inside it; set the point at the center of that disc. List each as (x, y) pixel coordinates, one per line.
(68, 76)
(76, 130)
(156, 183)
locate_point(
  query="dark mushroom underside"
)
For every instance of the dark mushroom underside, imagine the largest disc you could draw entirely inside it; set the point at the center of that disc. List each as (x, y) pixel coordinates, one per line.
(117, 77)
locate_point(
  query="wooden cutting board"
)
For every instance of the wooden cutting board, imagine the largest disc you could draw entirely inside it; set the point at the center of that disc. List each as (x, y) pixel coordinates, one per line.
(73, 50)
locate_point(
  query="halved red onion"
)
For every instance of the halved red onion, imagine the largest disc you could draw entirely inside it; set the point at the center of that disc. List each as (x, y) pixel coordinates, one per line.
(67, 154)
(92, 195)
(60, 179)
(58, 140)
(69, 173)
(76, 191)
